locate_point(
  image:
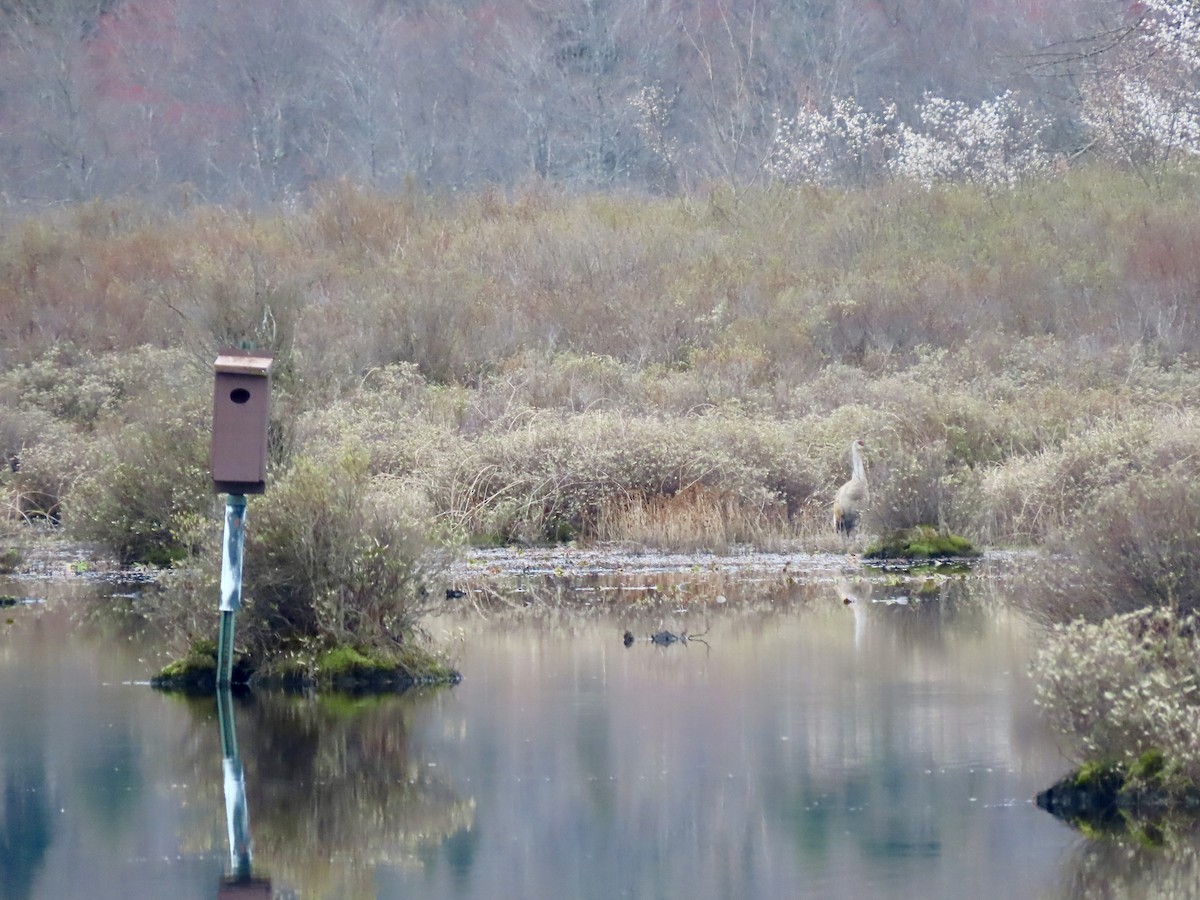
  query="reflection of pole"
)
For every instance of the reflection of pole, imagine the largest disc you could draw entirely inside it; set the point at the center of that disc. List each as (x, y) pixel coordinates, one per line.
(237, 814)
(231, 583)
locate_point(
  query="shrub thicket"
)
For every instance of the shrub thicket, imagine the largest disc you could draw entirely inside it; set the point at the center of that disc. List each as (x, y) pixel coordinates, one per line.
(116, 436)
(1124, 686)
(762, 293)
(334, 557)
(146, 494)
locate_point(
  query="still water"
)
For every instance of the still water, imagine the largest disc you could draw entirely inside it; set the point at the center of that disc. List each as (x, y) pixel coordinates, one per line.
(799, 747)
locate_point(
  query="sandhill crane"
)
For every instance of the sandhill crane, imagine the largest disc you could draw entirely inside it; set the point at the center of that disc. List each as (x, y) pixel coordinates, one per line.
(853, 496)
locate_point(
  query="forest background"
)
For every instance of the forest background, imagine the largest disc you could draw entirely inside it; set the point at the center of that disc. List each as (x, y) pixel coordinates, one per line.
(604, 271)
(217, 101)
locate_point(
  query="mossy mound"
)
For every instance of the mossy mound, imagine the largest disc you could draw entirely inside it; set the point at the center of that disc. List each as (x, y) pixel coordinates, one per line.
(196, 673)
(342, 669)
(1109, 797)
(922, 542)
(355, 670)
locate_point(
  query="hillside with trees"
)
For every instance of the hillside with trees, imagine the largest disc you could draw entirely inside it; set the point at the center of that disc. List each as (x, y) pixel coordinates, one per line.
(218, 101)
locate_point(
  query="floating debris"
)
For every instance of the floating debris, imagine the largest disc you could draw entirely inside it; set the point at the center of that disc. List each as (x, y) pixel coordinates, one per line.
(8, 601)
(665, 638)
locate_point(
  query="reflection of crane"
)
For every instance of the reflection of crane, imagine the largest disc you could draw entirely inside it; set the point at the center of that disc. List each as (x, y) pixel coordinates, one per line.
(852, 496)
(856, 596)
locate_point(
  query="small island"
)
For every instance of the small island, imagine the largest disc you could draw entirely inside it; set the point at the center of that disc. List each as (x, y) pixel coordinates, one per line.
(342, 669)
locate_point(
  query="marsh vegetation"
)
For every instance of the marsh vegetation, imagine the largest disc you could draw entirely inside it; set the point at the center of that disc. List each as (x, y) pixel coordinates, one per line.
(660, 373)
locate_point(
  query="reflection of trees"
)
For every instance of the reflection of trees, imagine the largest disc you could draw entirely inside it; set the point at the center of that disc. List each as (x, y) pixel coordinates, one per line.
(870, 741)
(570, 604)
(332, 789)
(26, 829)
(33, 729)
(1103, 869)
(888, 812)
(783, 755)
(110, 786)
(931, 609)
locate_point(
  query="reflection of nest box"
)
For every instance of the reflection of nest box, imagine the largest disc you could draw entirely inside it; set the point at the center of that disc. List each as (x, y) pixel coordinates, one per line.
(241, 406)
(245, 889)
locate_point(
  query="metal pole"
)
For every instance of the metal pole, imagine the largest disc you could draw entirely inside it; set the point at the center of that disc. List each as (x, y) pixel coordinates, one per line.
(231, 583)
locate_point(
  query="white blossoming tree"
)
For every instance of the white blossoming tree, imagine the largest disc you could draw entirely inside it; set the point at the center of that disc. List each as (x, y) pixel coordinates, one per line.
(1143, 107)
(849, 144)
(994, 144)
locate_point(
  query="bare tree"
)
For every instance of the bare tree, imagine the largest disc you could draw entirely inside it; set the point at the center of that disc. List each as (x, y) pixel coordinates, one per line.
(570, 74)
(729, 94)
(53, 145)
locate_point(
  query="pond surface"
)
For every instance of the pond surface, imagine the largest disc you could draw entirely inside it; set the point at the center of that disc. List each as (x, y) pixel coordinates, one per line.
(792, 745)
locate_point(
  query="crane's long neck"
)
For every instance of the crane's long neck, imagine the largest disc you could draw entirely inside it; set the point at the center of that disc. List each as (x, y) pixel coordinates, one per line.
(856, 464)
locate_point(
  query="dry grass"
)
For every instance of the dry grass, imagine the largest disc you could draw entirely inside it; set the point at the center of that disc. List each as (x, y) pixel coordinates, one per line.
(695, 519)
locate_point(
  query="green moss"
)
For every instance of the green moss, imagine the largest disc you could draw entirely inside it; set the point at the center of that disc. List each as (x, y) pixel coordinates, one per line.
(1090, 830)
(355, 670)
(1149, 767)
(1087, 798)
(922, 542)
(187, 667)
(349, 668)
(349, 661)
(1134, 801)
(1100, 775)
(196, 673)
(1146, 834)
(202, 658)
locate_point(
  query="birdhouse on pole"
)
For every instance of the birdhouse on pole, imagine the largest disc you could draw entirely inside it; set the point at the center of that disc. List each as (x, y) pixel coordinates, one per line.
(241, 407)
